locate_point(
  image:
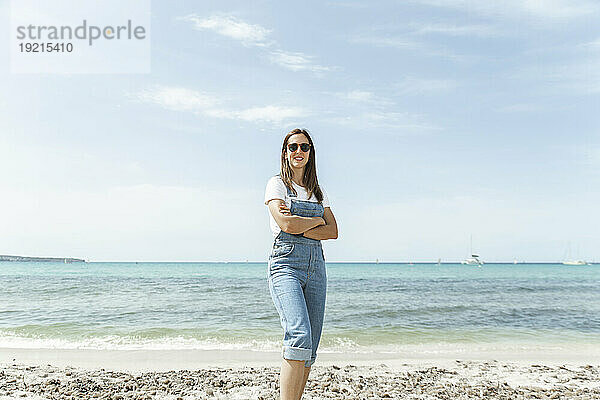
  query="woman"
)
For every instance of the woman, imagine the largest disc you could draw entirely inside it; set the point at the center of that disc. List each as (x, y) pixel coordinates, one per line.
(300, 218)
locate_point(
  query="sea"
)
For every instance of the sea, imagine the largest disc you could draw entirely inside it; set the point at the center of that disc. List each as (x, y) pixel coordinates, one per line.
(370, 306)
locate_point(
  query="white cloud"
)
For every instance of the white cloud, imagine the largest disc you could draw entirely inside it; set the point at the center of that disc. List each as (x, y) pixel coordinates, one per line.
(296, 61)
(349, 4)
(363, 109)
(412, 85)
(187, 100)
(251, 35)
(581, 77)
(359, 95)
(270, 113)
(593, 45)
(176, 98)
(591, 157)
(557, 8)
(457, 30)
(570, 68)
(362, 97)
(540, 9)
(414, 38)
(510, 8)
(520, 108)
(394, 121)
(248, 34)
(402, 42)
(388, 41)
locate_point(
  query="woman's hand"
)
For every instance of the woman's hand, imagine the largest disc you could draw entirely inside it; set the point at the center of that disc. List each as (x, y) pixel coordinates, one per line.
(284, 209)
(328, 231)
(290, 223)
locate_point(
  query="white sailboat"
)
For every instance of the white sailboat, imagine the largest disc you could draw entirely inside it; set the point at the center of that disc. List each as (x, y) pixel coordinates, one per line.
(575, 262)
(474, 259)
(570, 261)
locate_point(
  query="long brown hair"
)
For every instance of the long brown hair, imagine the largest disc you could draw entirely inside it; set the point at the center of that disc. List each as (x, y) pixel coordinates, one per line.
(309, 179)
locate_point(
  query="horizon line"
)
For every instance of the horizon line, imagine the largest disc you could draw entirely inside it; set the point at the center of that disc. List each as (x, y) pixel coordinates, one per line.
(327, 262)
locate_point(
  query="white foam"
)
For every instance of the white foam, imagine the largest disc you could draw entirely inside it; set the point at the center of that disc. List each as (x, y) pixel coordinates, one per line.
(114, 342)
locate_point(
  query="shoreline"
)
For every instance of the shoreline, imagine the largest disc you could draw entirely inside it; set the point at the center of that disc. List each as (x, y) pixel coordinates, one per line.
(144, 360)
(61, 260)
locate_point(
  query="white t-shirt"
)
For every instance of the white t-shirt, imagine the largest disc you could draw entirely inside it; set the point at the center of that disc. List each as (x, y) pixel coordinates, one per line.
(276, 190)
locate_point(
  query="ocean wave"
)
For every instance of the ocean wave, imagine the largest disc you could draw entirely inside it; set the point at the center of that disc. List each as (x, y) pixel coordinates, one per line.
(346, 341)
(33, 339)
(113, 342)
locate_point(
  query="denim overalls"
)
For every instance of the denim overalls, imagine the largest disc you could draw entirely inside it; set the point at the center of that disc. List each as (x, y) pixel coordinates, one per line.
(298, 284)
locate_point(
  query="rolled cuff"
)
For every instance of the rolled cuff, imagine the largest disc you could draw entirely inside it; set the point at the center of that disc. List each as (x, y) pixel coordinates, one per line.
(296, 353)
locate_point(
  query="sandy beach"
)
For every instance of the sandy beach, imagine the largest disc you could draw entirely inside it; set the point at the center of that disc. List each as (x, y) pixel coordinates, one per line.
(200, 374)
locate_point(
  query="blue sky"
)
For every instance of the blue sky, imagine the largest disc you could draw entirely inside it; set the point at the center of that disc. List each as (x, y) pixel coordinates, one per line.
(433, 120)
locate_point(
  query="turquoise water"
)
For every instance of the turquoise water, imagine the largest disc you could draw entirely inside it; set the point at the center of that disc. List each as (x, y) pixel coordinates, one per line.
(228, 305)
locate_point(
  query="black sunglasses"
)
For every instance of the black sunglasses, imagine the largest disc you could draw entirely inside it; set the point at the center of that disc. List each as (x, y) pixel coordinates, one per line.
(294, 146)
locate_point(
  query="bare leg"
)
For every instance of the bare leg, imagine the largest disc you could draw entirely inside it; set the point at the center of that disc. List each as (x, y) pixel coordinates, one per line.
(290, 379)
(306, 372)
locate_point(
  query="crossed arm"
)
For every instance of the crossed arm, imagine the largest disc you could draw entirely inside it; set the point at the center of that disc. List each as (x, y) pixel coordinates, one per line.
(311, 227)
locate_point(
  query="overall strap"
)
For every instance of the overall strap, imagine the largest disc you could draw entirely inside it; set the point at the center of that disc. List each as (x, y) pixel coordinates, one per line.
(289, 192)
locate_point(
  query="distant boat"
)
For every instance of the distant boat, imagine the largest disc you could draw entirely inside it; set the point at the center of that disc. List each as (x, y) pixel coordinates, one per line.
(474, 259)
(568, 260)
(575, 262)
(515, 261)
